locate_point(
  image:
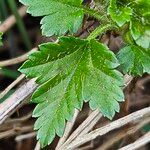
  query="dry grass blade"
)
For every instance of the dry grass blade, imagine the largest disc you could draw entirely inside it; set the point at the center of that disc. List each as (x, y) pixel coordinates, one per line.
(16, 130)
(85, 124)
(122, 134)
(18, 120)
(16, 99)
(37, 147)
(25, 136)
(109, 127)
(17, 60)
(91, 124)
(20, 78)
(138, 143)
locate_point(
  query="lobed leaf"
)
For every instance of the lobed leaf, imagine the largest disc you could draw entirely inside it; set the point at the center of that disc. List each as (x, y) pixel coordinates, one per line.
(134, 60)
(140, 23)
(137, 13)
(140, 33)
(59, 16)
(119, 14)
(69, 73)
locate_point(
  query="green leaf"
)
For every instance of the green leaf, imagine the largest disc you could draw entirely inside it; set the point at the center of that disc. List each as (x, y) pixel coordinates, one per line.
(1, 38)
(142, 8)
(134, 60)
(140, 23)
(119, 14)
(69, 73)
(60, 16)
(140, 33)
(135, 12)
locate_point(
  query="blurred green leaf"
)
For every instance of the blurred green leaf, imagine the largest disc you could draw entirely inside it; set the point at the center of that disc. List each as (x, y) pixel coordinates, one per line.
(134, 60)
(9, 73)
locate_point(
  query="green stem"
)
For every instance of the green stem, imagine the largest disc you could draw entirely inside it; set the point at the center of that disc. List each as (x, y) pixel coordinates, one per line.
(20, 24)
(99, 30)
(101, 16)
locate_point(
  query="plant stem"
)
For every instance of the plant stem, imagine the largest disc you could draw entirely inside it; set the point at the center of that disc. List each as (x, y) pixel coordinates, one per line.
(20, 24)
(99, 30)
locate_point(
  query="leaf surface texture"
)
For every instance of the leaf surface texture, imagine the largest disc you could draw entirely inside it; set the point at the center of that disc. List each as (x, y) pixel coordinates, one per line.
(69, 73)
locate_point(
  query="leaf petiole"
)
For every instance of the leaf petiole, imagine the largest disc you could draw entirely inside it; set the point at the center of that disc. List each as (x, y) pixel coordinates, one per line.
(99, 30)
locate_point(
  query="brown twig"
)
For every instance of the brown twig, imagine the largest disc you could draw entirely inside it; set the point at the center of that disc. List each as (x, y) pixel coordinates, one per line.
(123, 134)
(91, 124)
(93, 117)
(19, 120)
(17, 60)
(107, 128)
(16, 130)
(37, 147)
(8, 23)
(20, 78)
(10, 123)
(16, 99)
(25, 136)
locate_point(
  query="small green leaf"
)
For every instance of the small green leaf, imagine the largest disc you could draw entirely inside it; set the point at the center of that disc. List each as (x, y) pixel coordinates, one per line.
(134, 60)
(135, 12)
(140, 33)
(119, 14)
(60, 16)
(69, 73)
(140, 23)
